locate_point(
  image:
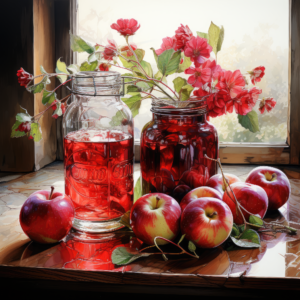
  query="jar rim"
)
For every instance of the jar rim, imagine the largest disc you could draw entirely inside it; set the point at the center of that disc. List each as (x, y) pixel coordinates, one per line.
(192, 106)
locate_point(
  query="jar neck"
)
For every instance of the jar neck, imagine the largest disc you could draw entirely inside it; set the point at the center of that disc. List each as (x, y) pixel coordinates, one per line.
(179, 119)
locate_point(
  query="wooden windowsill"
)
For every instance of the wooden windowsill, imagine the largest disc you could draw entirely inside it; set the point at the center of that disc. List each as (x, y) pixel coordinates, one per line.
(80, 266)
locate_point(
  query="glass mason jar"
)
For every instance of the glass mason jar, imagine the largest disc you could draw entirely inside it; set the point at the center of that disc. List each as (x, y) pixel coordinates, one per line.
(98, 152)
(173, 148)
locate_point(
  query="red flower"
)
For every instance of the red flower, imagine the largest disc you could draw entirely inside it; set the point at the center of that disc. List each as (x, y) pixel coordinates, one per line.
(23, 77)
(199, 76)
(267, 104)
(104, 67)
(168, 43)
(54, 106)
(63, 108)
(110, 50)
(257, 74)
(216, 103)
(126, 48)
(30, 137)
(198, 50)
(245, 101)
(182, 35)
(200, 93)
(232, 82)
(216, 70)
(25, 127)
(126, 27)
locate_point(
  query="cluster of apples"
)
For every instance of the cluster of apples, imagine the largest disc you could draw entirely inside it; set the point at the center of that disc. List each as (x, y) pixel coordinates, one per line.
(206, 214)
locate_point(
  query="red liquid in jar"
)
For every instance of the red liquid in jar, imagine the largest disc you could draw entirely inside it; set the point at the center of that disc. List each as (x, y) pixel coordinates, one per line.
(99, 173)
(173, 150)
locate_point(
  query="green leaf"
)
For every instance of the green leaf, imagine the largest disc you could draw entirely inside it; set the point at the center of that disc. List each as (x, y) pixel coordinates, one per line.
(78, 44)
(123, 256)
(133, 89)
(202, 35)
(137, 190)
(37, 88)
(158, 76)
(48, 97)
(58, 110)
(15, 133)
(23, 117)
(94, 57)
(241, 228)
(155, 55)
(235, 232)
(192, 247)
(118, 118)
(249, 239)
(61, 67)
(179, 82)
(186, 92)
(73, 68)
(147, 67)
(249, 121)
(256, 221)
(43, 70)
(168, 62)
(36, 132)
(213, 36)
(125, 220)
(134, 103)
(181, 239)
(221, 39)
(85, 66)
(140, 53)
(185, 64)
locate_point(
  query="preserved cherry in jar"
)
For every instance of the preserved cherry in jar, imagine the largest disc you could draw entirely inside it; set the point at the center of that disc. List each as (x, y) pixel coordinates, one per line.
(173, 148)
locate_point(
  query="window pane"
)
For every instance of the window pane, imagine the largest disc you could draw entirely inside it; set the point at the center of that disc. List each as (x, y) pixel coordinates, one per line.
(256, 34)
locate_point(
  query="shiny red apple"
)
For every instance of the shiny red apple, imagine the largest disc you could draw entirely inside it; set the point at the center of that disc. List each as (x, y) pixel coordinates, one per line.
(217, 182)
(155, 214)
(47, 217)
(274, 182)
(207, 222)
(251, 197)
(200, 192)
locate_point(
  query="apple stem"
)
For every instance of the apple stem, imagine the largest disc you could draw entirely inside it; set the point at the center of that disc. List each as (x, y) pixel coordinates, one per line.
(51, 193)
(157, 200)
(213, 214)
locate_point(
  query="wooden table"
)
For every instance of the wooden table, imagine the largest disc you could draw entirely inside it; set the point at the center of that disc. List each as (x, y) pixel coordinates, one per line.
(77, 265)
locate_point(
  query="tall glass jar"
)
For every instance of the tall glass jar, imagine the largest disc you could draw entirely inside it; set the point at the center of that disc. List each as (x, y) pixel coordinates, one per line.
(98, 152)
(173, 148)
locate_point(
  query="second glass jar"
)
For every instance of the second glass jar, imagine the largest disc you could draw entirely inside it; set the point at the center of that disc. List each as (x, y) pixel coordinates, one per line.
(173, 149)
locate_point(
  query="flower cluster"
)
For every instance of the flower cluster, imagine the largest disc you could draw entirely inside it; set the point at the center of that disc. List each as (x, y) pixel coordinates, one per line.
(224, 91)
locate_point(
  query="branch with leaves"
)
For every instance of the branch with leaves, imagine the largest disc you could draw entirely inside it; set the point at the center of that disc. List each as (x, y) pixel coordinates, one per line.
(193, 55)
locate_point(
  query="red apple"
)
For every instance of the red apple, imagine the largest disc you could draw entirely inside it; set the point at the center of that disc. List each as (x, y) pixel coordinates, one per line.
(207, 222)
(274, 182)
(251, 197)
(47, 217)
(154, 215)
(216, 182)
(200, 192)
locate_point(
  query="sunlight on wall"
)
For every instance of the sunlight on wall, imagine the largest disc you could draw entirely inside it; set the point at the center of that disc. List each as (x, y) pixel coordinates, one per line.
(255, 35)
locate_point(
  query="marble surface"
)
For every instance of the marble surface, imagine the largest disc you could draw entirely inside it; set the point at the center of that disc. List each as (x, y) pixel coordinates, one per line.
(278, 256)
